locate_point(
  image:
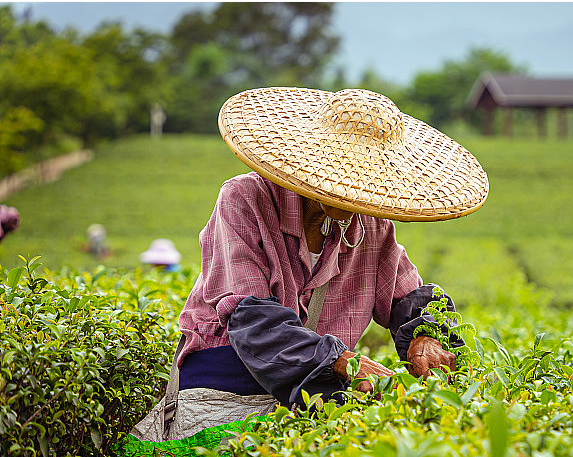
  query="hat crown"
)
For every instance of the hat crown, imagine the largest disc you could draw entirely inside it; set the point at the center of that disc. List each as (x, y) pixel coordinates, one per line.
(363, 116)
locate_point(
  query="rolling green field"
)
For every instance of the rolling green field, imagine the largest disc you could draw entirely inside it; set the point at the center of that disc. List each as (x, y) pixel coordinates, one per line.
(142, 189)
(139, 189)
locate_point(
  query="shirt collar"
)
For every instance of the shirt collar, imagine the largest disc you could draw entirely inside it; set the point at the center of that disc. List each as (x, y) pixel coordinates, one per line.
(291, 222)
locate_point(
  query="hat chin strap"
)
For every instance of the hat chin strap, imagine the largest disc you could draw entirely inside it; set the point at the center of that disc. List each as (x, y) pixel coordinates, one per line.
(326, 229)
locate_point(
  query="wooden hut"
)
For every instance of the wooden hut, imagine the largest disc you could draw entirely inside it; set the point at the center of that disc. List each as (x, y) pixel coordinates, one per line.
(508, 92)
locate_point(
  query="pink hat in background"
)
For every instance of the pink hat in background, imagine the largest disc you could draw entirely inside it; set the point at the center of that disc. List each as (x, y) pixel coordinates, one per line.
(161, 252)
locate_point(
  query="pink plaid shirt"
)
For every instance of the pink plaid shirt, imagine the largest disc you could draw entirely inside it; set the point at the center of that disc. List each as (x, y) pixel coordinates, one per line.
(254, 244)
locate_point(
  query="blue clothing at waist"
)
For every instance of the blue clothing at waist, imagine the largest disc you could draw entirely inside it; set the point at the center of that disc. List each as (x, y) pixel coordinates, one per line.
(218, 368)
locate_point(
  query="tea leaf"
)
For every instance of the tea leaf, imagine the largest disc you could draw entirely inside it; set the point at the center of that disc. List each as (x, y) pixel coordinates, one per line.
(470, 392)
(340, 411)
(449, 397)
(120, 352)
(14, 276)
(497, 427)
(502, 376)
(502, 350)
(280, 413)
(305, 397)
(96, 436)
(538, 339)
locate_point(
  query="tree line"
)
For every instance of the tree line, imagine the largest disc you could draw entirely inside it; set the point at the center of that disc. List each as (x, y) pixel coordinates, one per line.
(65, 87)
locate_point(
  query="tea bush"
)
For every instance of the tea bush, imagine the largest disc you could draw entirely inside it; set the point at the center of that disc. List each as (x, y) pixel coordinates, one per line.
(516, 399)
(509, 405)
(83, 356)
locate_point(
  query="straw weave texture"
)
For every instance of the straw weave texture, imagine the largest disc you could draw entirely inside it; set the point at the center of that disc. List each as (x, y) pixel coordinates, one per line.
(354, 150)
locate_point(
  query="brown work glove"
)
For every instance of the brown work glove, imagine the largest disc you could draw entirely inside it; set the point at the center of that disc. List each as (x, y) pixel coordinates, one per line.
(425, 353)
(367, 367)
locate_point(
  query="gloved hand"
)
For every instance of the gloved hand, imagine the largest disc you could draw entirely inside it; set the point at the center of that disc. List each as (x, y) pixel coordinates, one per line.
(367, 367)
(425, 353)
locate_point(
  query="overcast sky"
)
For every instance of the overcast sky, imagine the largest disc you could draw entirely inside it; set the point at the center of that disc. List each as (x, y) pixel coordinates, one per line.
(396, 39)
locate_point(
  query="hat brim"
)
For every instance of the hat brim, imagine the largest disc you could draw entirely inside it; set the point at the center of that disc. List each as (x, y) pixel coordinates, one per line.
(426, 177)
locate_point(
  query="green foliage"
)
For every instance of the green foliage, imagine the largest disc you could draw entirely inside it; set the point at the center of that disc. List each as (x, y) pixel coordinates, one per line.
(83, 357)
(19, 130)
(516, 401)
(236, 47)
(61, 84)
(132, 65)
(442, 318)
(444, 92)
(205, 69)
(263, 42)
(520, 405)
(58, 84)
(62, 71)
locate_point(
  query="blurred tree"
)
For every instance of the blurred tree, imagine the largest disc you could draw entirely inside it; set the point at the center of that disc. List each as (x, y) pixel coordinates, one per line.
(22, 33)
(133, 69)
(191, 30)
(371, 81)
(20, 129)
(52, 80)
(263, 38)
(335, 81)
(200, 88)
(444, 92)
(6, 22)
(103, 85)
(240, 46)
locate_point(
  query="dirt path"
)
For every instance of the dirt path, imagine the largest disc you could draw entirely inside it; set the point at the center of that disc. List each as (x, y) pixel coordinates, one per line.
(44, 172)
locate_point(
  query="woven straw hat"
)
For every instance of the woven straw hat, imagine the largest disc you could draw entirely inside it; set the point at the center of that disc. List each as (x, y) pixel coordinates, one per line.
(353, 150)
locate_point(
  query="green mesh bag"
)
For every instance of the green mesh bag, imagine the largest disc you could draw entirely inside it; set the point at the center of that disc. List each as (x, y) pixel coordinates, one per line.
(208, 438)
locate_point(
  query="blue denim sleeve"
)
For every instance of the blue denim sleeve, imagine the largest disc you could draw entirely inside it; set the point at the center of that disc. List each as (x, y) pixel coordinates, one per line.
(407, 314)
(282, 355)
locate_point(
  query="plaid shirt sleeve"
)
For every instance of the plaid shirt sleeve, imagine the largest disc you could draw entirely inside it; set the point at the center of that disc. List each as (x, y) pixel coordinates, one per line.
(233, 267)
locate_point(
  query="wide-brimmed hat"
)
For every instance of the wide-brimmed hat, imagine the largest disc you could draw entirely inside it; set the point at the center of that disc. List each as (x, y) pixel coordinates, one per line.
(353, 150)
(161, 252)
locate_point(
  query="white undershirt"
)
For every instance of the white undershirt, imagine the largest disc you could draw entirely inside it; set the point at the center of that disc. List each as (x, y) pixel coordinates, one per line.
(314, 259)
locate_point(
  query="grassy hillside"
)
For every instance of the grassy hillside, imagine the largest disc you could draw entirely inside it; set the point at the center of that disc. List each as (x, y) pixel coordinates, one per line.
(139, 189)
(142, 189)
(522, 233)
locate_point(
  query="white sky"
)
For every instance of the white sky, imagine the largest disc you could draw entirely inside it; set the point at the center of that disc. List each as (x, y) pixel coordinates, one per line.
(396, 39)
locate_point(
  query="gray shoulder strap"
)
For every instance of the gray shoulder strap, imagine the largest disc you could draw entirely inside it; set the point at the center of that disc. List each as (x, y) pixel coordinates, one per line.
(172, 391)
(315, 306)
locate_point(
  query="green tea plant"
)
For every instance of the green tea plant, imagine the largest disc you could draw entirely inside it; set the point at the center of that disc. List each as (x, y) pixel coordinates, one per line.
(485, 413)
(82, 357)
(453, 322)
(85, 355)
(514, 402)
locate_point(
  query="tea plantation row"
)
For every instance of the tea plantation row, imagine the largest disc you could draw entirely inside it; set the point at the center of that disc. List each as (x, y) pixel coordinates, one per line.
(84, 355)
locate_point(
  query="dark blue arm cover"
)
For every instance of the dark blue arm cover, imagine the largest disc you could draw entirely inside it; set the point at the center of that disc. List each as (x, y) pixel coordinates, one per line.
(406, 315)
(282, 355)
